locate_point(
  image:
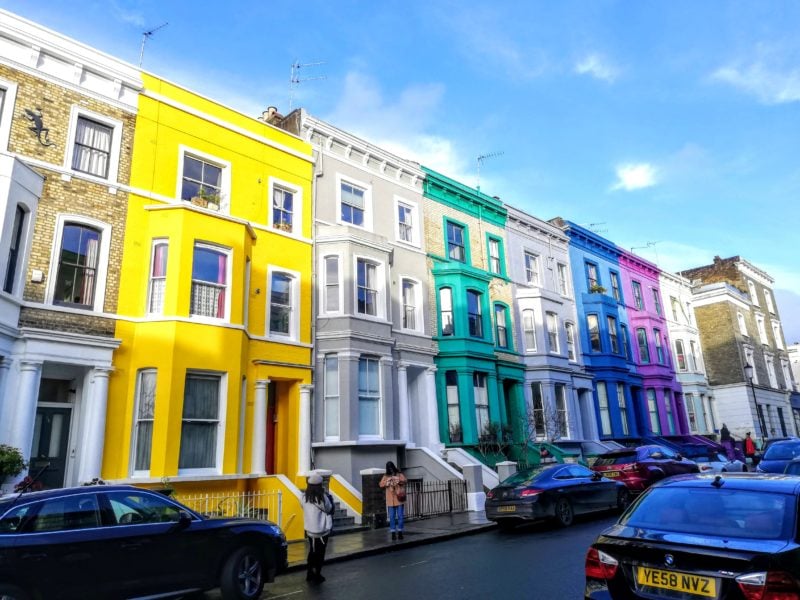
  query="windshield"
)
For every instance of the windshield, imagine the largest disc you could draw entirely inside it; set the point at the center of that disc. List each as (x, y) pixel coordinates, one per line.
(715, 512)
(525, 477)
(615, 459)
(783, 451)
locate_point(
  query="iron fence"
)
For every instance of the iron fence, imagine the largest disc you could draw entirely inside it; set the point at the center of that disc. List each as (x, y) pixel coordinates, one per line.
(255, 505)
(429, 498)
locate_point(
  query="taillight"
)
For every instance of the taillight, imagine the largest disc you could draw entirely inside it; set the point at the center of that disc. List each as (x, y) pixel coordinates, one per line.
(490, 494)
(773, 585)
(630, 467)
(705, 468)
(529, 492)
(600, 565)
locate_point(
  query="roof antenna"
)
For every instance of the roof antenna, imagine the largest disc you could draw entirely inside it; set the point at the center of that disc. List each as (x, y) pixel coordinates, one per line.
(146, 35)
(648, 245)
(481, 159)
(296, 80)
(718, 481)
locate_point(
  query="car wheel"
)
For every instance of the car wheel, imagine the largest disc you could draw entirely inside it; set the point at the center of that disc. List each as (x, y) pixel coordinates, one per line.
(564, 514)
(623, 499)
(11, 592)
(243, 575)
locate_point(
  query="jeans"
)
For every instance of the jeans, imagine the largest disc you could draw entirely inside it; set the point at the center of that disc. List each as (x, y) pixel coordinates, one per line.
(316, 554)
(395, 518)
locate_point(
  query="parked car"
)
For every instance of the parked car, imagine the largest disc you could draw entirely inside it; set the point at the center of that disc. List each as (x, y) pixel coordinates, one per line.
(710, 460)
(556, 492)
(778, 456)
(730, 536)
(123, 541)
(585, 450)
(640, 467)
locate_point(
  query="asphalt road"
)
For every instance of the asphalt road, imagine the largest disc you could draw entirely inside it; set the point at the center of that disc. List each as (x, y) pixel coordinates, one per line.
(533, 562)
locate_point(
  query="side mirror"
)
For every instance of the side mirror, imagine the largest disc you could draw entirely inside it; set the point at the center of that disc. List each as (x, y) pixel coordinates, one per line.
(596, 476)
(184, 520)
(679, 456)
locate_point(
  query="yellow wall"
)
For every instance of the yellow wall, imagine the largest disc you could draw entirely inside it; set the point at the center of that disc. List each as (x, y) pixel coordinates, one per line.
(175, 342)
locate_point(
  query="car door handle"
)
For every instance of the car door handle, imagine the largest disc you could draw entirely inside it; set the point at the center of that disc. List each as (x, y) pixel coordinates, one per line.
(34, 555)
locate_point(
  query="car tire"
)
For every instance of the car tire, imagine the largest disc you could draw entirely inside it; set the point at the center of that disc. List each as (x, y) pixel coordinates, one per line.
(564, 513)
(623, 499)
(12, 592)
(243, 575)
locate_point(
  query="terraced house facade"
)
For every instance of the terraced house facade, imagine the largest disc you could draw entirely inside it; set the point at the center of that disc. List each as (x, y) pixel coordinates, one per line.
(66, 133)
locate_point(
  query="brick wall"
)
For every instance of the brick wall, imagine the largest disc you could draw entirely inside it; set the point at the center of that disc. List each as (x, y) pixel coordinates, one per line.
(716, 323)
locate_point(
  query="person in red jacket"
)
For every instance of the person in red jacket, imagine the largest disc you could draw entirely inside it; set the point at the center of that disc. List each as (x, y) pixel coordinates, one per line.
(750, 448)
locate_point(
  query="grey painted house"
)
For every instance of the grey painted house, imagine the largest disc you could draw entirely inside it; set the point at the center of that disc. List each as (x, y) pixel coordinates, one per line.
(374, 374)
(557, 388)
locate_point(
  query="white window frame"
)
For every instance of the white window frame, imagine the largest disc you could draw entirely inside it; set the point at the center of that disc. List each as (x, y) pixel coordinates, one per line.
(102, 258)
(418, 301)
(297, 206)
(77, 112)
(695, 363)
(370, 436)
(323, 308)
(155, 243)
(416, 222)
(551, 325)
(498, 326)
(748, 359)
(135, 422)
(329, 397)
(223, 406)
(562, 276)
(494, 243)
(787, 376)
(769, 359)
(776, 333)
(561, 402)
(23, 248)
(680, 356)
(380, 296)
(742, 324)
(572, 341)
(770, 304)
(480, 398)
(751, 287)
(537, 280)
(340, 178)
(225, 181)
(7, 112)
(622, 403)
(296, 304)
(526, 332)
(603, 409)
(228, 280)
(761, 326)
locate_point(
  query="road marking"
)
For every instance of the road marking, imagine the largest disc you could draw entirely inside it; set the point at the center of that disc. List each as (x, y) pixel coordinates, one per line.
(289, 594)
(422, 562)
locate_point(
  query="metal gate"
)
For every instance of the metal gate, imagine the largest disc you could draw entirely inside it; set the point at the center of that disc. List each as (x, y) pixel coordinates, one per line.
(429, 498)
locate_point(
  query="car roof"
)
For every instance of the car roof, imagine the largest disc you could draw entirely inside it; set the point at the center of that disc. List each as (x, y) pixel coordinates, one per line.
(632, 450)
(773, 482)
(69, 491)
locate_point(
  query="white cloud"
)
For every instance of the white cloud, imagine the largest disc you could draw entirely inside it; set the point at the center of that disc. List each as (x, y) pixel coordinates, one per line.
(635, 176)
(768, 85)
(598, 67)
(128, 15)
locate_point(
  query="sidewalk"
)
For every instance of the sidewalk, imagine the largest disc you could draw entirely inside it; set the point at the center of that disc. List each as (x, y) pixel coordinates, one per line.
(375, 541)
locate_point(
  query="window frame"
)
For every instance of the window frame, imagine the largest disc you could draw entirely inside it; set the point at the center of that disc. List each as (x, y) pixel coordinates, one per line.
(603, 410)
(638, 299)
(616, 287)
(448, 222)
(644, 349)
(367, 188)
(505, 327)
(137, 399)
(156, 242)
(475, 317)
(453, 403)
(529, 333)
(419, 312)
(225, 176)
(373, 398)
(592, 268)
(593, 332)
(622, 403)
(651, 398)
(658, 343)
(482, 407)
(751, 288)
(78, 112)
(228, 252)
(7, 112)
(14, 273)
(742, 324)
(323, 299)
(562, 279)
(552, 321)
(657, 302)
(297, 206)
(442, 312)
(529, 257)
(416, 222)
(680, 356)
(101, 271)
(380, 290)
(220, 437)
(572, 347)
(500, 258)
(295, 304)
(328, 398)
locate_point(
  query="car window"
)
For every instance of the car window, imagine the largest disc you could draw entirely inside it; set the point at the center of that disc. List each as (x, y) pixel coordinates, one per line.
(793, 468)
(66, 513)
(579, 471)
(714, 512)
(131, 508)
(621, 458)
(12, 521)
(782, 451)
(526, 476)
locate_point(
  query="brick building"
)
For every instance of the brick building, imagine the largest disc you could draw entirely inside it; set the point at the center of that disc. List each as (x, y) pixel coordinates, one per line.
(66, 132)
(740, 330)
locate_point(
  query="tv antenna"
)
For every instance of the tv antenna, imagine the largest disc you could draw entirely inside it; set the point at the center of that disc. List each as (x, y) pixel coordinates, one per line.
(295, 80)
(596, 227)
(648, 245)
(481, 159)
(146, 35)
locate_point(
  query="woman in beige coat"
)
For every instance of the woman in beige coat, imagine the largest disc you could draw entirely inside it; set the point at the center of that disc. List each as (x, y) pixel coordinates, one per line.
(394, 482)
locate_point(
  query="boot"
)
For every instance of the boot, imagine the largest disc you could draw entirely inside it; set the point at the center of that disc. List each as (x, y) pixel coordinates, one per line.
(394, 536)
(310, 574)
(399, 535)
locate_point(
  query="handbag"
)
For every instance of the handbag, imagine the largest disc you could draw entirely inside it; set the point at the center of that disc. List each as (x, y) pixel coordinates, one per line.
(400, 494)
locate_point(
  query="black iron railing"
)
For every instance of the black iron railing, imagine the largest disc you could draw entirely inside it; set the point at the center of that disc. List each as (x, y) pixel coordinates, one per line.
(429, 498)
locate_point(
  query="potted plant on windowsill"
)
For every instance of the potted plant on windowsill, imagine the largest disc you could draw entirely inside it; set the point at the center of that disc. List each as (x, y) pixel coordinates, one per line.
(12, 463)
(205, 199)
(287, 227)
(596, 288)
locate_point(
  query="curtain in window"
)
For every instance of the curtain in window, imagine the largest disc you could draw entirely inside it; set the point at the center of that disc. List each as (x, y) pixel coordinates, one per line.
(92, 246)
(92, 148)
(200, 423)
(221, 279)
(158, 278)
(145, 413)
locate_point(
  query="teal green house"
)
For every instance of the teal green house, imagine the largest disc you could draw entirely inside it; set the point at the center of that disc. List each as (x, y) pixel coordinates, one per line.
(479, 374)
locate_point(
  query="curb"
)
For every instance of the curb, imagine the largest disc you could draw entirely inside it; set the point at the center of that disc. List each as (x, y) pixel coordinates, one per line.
(299, 566)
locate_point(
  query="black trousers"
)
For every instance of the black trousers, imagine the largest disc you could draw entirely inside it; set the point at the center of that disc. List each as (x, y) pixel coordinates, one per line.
(316, 553)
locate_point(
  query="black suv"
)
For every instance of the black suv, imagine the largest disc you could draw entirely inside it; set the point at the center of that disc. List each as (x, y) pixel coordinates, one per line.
(123, 541)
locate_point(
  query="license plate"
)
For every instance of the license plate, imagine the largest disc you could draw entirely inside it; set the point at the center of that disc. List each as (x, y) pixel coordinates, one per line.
(681, 582)
(610, 473)
(507, 509)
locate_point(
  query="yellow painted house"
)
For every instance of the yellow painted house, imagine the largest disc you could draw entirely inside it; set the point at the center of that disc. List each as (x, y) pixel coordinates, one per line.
(211, 383)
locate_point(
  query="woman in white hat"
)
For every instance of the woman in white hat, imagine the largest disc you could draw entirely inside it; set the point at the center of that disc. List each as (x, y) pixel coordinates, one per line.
(318, 521)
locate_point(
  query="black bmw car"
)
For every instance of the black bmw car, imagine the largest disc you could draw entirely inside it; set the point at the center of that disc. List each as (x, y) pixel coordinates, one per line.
(124, 542)
(557, 492)
(729, 537)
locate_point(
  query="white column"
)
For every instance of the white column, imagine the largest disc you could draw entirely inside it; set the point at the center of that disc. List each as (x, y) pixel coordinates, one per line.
(432, 413)
(404, 427)
(20, 433)
(91, 461)
(304, 437)
(258, 461)
(6, 405)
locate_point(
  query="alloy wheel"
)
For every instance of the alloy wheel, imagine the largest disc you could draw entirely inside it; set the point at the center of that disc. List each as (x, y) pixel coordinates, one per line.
(249, 575)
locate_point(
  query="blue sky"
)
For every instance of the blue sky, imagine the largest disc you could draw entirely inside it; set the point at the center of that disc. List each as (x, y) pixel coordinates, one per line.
(671, 125)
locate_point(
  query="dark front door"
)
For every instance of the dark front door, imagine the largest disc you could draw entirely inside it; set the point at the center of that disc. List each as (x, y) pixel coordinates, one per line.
(271, 426)
(50, 439)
